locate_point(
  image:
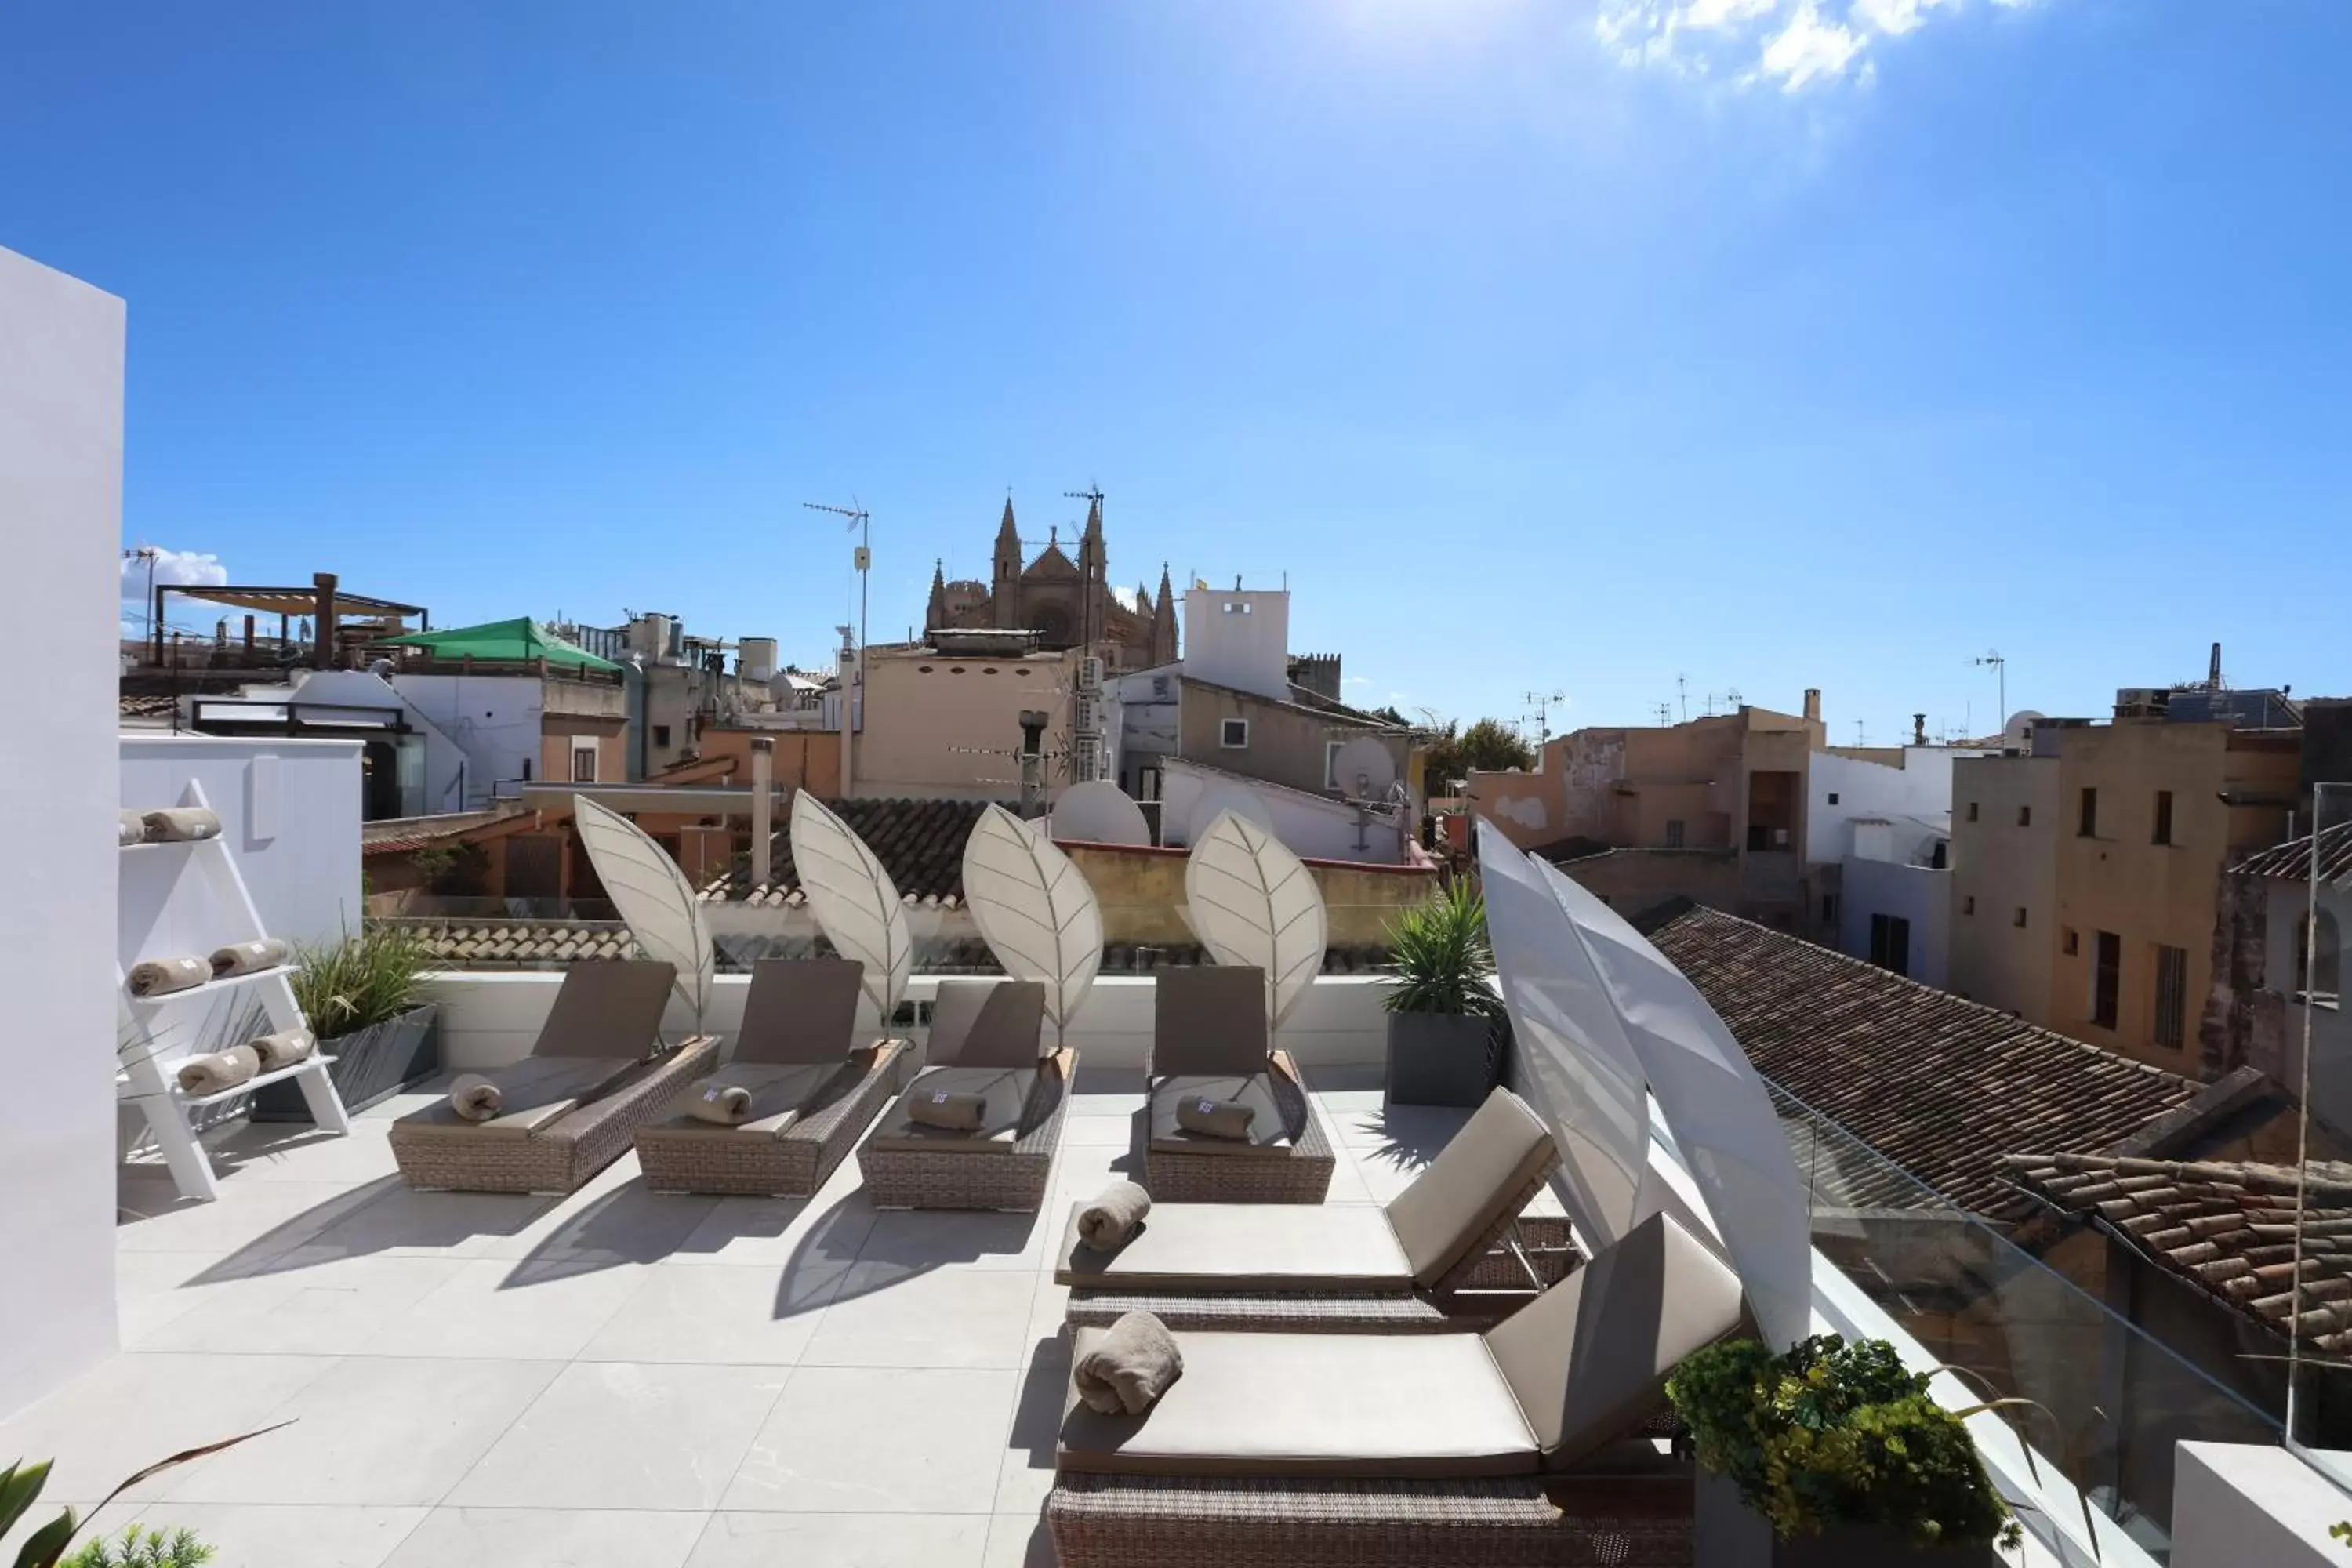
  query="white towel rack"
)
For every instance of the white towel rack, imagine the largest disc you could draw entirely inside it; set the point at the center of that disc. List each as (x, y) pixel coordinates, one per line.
(149, 1051)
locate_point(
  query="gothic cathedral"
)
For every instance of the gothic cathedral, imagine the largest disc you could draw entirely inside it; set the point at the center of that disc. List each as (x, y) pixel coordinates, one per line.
(1059, 598)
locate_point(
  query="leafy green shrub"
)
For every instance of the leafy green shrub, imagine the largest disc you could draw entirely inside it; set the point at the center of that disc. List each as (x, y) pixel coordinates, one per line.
(345, 986)
(142, 1548)
(1832, 1433)
(1441, 957)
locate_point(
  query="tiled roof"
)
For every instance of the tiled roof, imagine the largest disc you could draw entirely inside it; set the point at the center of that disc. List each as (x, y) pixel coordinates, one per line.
(2226, 1228)
(2291, 860)
(398, 835)
(145, 705)
(522, 944)
(920, 842)
(1938, 1085)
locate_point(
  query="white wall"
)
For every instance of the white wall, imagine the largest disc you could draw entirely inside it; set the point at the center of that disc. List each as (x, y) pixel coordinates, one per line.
(1922, 786)
(2236, 1503)
(488, 1019)
(62, 346)
(1239, 639)
(493, 718)
(1914, 893)
(1308, 825)
(299, 853)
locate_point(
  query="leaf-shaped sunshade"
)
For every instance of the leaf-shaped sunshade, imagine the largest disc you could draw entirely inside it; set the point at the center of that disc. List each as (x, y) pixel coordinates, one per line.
(855, 903)
(1035, 910)
(652, 895)
(1252, 902)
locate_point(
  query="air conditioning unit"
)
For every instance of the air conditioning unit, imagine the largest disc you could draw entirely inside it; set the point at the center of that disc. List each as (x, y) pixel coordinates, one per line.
(1090, 674)
(1085, 716)
(1085, 759)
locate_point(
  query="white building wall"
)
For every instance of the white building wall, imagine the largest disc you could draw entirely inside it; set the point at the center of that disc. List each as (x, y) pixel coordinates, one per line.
(1922, 786)
(1914, 893)
(62, 346)
(1308, 825)
(290, 813)
(1239, 639)
(2331, 1027)
(493, 720)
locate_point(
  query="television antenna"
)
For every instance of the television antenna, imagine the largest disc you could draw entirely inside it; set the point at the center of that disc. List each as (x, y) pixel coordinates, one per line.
(860, 523)
(1666, 712)
(1682, 697)
(2000, 668)
(1542, 702)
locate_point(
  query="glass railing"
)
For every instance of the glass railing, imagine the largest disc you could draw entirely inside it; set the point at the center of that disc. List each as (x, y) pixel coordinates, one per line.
(2010, 1308)
(2305, 922)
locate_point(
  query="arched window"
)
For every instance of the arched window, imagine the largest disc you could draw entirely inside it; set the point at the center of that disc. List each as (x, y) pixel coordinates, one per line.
(2318, 962)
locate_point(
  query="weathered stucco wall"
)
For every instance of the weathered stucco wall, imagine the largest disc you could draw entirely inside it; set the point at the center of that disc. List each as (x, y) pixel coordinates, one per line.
(1141, 891)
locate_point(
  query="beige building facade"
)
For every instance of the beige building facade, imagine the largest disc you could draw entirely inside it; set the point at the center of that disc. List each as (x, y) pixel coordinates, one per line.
(940, 726)
(2004, 881)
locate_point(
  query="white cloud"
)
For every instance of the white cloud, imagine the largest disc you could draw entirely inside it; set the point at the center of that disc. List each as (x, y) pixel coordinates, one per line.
(1894, 17)
(1357, 681)
(1807, 49)
(173, 568)
(1794, 45)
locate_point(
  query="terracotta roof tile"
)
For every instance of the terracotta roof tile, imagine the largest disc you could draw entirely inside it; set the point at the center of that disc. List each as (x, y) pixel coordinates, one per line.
(520, 944)
(1938, 1085)
(920, 842)
(2291, 860)
(2225, 1226)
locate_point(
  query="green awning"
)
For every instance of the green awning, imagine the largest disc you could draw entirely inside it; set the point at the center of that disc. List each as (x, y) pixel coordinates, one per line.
(518, 641)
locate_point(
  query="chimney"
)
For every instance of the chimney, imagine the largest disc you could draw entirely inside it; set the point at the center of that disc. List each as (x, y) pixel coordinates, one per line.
(1918, 729)
(764, 770)
(2213, 669)
(1813, 703)
(323, 645)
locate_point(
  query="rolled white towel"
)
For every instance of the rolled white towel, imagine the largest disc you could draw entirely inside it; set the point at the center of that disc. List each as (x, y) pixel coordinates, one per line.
(1130, 1367)
(729, 1105)
(245, 957)
(475, 1097)
(131, 829)
(161, 976)
(1112, 1217)
(284, 1049)
(181, 822)
(220, 1070)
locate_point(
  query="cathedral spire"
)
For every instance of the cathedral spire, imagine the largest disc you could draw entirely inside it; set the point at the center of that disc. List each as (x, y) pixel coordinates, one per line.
(1164, 622)
(937, 616)
(1005, 532)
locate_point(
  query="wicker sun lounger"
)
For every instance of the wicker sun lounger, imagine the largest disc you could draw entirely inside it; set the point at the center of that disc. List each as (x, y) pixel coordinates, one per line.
(1372, 1450)
(985, 1041)
(1407, 1267)
(595, 1075)
(812, 1093)
(1209, 1039)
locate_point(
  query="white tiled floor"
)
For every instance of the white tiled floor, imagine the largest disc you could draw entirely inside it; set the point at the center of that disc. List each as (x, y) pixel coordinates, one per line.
(623, 1379)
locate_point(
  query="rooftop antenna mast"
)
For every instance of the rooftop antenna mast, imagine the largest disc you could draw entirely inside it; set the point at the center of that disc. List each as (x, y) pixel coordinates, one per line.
(1682, 697)
(860, 523)
(2000, 668)
(1087, 632)
(1666, 712)
(1542, 704)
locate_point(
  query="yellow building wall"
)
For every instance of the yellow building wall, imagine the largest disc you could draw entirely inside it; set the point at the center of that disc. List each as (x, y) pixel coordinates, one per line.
(1999, 866)
(1141, 893)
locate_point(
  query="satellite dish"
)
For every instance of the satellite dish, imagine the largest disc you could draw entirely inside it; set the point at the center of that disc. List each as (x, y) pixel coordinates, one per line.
(1363, 769)
(2020, 728)
(1099, 813)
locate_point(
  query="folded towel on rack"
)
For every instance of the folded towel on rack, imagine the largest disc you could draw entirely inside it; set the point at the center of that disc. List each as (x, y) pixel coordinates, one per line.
(219, 1070)
(181, 822)
(729, 1105)
(1128, 1366)
(132, 828)
(284, 1049)
(160, 977)
(245, 957)
(1112, 1217)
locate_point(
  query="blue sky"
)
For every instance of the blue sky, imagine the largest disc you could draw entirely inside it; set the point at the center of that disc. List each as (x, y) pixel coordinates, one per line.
(1546, 346)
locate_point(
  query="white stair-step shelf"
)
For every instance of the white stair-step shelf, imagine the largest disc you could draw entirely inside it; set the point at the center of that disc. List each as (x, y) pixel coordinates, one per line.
(155, 1040)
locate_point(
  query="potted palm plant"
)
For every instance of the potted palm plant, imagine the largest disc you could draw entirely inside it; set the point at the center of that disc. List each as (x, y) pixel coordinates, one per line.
(1442, 1012)
(364, 997)
(1831, 1456)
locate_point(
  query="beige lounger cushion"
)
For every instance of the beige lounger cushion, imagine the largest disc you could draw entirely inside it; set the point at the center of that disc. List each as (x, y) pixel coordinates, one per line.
(1244, 1247)
(1006, 1090)
(534, 1094)
(800, 1010)
(1421, 1405)
(1589, 1358)
(1267, 1129)
(1455, 1202)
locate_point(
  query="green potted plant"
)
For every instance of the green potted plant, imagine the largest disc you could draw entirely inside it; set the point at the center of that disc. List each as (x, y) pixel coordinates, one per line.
(1441, 1012)
(1830, 1455)
(364, 997)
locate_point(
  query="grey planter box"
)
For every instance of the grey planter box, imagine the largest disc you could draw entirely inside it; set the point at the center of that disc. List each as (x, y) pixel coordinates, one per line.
(374, 1064)
(1727, 1533)
(1440, 1058)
